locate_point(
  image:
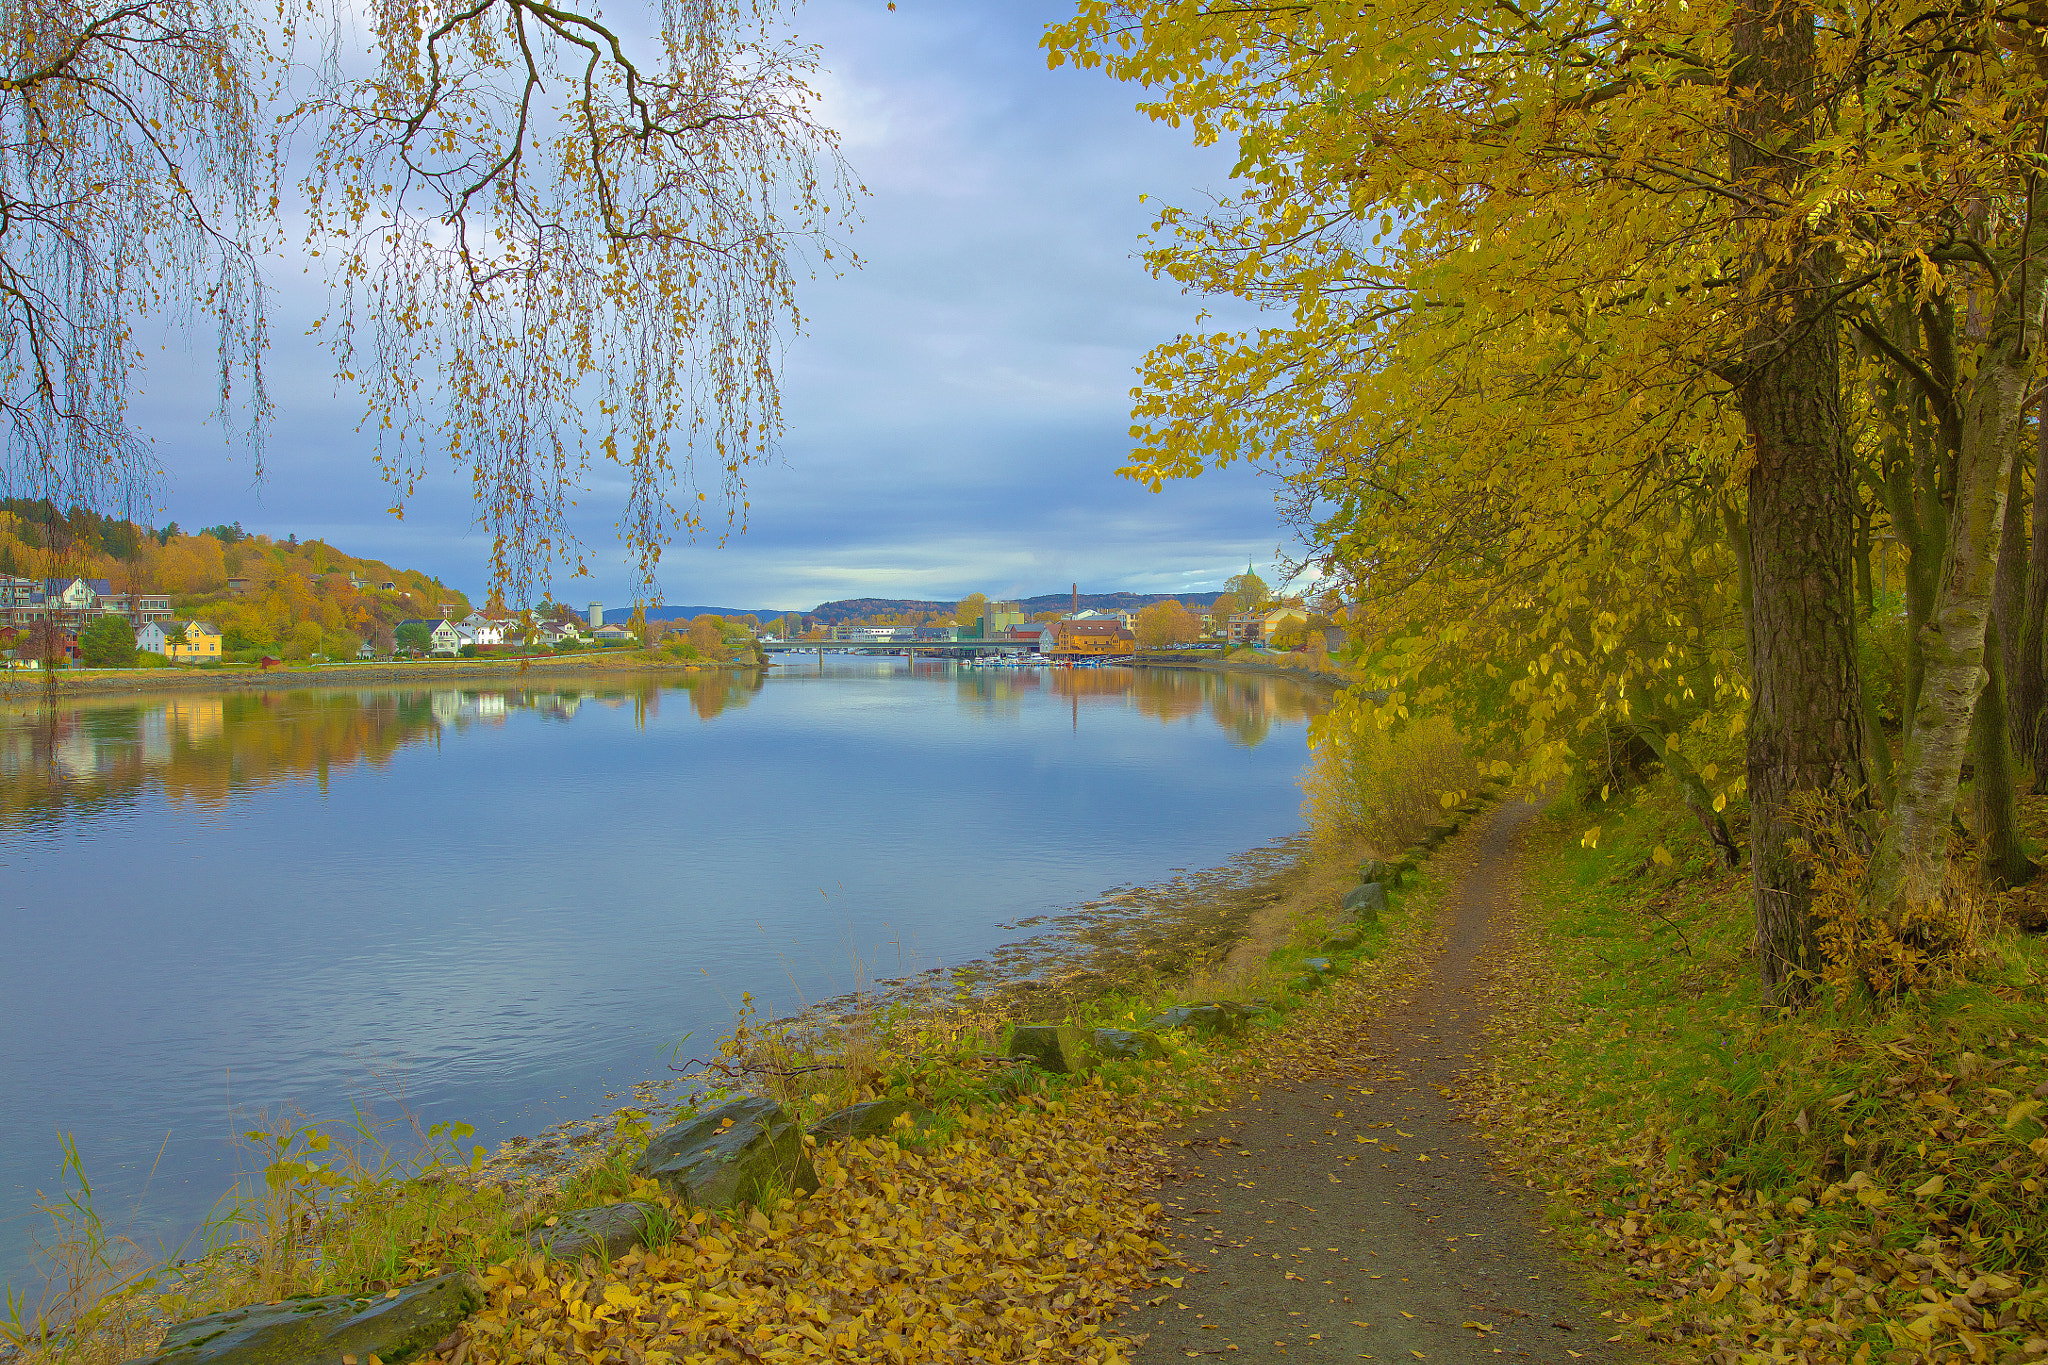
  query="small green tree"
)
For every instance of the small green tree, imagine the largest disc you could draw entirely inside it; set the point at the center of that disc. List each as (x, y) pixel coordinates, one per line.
(415, 635)
(108, 643)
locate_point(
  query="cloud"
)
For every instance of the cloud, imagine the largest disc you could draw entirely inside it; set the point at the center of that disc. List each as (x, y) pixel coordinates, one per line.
(956, 409)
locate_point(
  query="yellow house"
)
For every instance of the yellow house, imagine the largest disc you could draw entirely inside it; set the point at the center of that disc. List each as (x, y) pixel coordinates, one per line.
(199, 643)
(1279, 619)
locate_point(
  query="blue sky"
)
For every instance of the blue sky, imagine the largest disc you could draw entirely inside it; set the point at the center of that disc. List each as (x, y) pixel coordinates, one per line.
(955, 409)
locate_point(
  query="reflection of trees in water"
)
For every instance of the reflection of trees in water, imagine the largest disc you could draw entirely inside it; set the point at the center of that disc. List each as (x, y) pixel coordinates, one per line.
(1248, 706)
(84, 754)
(993, 692)
(713, 693)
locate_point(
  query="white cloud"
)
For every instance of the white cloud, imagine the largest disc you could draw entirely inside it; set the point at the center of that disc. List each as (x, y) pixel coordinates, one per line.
(956, 409)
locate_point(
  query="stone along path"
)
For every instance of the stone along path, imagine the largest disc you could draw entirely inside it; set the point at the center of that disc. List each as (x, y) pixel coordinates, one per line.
(1351, 1215)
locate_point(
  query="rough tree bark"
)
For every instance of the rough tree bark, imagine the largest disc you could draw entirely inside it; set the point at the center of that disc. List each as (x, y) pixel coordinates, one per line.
(1806, 729)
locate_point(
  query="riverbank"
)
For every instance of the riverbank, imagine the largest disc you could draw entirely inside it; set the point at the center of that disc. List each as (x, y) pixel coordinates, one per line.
(1074, 1149)
(28, 683)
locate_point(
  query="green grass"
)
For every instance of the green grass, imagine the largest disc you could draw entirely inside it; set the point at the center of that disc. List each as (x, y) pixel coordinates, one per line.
(1683, 1127)
(1674, 1038)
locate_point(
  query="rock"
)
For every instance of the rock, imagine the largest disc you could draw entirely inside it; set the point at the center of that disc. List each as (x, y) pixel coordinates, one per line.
(729, 1155)
(1126, 1044)
(1059, 1048)
(608, 1231)
(876, 1118)
(1222, 1017)
(1321, 966)
(394, 1328)
(1366, 900)
(1344, 940)
(1373, 870)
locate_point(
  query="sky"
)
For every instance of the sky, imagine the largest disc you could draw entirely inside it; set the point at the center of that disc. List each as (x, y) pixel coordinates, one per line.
(955, 409)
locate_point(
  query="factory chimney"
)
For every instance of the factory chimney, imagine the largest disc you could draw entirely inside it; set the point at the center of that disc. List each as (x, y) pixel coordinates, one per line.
(1076, 611)
(596, 615)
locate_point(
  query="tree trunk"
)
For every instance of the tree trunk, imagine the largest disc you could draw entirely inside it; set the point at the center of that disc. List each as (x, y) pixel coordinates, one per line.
(2001, 856)
(1806, 722)
(1912, 854)
(1697, 798)
(2009, 581)
(2029, 686)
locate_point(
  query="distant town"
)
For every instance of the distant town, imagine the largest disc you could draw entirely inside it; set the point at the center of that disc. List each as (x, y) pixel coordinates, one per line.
(221, 597)
(88, 622)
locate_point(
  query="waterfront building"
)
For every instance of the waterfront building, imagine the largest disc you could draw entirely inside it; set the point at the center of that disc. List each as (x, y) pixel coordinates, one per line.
(1096, 637)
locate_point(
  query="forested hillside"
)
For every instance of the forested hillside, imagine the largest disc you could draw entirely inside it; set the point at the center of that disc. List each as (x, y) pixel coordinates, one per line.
(298, 596)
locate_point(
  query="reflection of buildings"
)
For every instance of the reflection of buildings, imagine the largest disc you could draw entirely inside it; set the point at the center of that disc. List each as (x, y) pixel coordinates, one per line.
(205, 747)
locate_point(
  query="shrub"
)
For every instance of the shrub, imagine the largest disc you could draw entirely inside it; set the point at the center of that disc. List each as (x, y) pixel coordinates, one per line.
(1862, 947)
(1384, 786)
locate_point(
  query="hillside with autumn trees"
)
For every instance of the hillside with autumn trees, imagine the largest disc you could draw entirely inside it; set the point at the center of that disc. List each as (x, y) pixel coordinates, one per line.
(298, 598)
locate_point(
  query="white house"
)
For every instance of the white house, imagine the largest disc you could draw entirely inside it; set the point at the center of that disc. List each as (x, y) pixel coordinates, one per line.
(555, 632)
(483, 630)
(445, 638)
(152, 640)
(609, 633)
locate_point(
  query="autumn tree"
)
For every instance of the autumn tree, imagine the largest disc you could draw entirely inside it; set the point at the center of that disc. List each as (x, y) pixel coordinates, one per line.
(1165, 624)
(970, 609)
(1248, 591)
(1555, 349)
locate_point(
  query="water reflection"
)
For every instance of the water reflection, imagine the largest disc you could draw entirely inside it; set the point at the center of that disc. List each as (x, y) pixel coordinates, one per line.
(87, 754)
(517, 899)
(1246, 707)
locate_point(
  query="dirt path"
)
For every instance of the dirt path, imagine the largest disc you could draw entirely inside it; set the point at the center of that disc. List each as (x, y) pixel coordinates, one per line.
(1352, 1215)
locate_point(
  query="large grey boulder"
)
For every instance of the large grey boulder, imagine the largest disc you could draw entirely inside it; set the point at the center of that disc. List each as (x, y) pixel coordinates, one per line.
(1344, 940)
(610, 1230)
(394, 1328)
(1059, 1048)
(876, 1118)
(1220, 1017)
(1366, 901)
(1126, 1044)
(729, 1155)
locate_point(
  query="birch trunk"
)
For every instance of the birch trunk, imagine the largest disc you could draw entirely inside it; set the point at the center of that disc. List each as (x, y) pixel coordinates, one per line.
(1912, 853)
(2028, 692)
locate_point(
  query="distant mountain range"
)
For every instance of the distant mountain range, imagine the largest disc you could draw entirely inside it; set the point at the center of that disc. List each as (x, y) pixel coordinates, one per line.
(855, 608)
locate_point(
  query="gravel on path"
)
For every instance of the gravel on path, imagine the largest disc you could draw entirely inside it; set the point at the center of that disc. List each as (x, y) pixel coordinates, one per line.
(1352, 1214)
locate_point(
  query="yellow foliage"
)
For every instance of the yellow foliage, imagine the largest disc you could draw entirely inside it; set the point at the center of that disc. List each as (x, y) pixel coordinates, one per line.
(1012, 1241)
(1383, 787)
(1862, 945)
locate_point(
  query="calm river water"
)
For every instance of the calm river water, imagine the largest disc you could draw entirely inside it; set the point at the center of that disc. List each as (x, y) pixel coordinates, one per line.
(505, 905)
